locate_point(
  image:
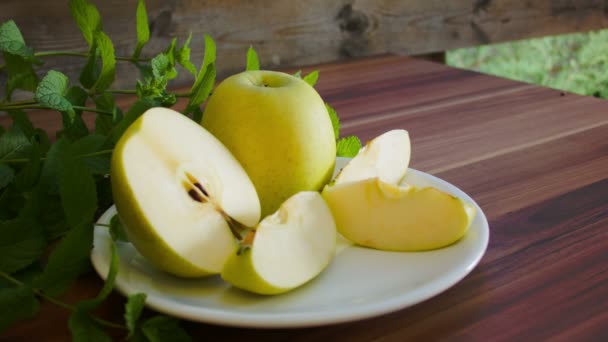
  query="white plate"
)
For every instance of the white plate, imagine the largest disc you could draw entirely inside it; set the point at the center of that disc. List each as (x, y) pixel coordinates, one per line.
(360, 283)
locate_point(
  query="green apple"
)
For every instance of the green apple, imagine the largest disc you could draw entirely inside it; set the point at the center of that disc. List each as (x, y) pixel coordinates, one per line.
(287, 249)
(180, 193)
(278, 128)
(374, 207)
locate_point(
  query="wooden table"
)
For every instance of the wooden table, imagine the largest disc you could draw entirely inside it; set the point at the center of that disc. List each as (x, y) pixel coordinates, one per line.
(536, 161)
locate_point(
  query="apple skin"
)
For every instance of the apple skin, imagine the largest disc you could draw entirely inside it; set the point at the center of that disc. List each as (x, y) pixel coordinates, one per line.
(278, 128)
(140, 231)
(383, 216)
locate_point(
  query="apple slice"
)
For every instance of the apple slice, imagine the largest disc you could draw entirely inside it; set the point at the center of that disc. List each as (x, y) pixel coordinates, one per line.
(180, 194)
(386, 157)
(374, 207)
(379, 215)
(287, 249)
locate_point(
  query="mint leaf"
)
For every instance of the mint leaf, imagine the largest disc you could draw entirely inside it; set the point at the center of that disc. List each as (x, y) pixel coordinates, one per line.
(97, 164)
(108, 62)
(6, 175)
(73, 125)
(68, 261)
(312, 78)
(21, 243)
(87, 18)
(28, 176)
(183, 56)
(335, 120)
(253, 62)
(201, 93)
(208, 58)
(90, 72)
(53, 165)
(163, 328)
(105, 123)
(298, 74)
(91, 304)
(12, 42)
(21, 74)
(78, 193)
(348, 147)
(117, 230)
(133, 309)
(22, 122)
(51, 92)
(142, 26)
(85, 329)
(14, 144)
(16, 303)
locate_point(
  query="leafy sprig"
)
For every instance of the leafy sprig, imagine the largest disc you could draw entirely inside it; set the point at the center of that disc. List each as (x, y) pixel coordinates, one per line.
(51, 193)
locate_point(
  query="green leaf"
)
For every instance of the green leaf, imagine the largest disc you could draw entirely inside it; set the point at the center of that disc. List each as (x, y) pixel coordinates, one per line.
(117, 230)
(14, 144)
(74, 126)
(209, 56)
(133, 309)
(84, 328)
(22, 121)
(183, 56)
(87, 18)
(253, 62)
(53, 165)
(78, 193)
(16, 303)
(202, 91)
(51, 92)
(21, 75)
(312, 78)
(68, 261)
(99, 164)
(348, 147)
(12, 42)
(298, 74)
(108, 62)
(335, 120)
(163, 328)
(105, 123)
(91, 304)
(6, 175)
(90, 73)
(143, 28)
(21, 243)
(28, 176)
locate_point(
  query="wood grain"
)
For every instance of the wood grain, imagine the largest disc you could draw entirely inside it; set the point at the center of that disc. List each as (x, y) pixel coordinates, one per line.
(288, 33)
(535, 159)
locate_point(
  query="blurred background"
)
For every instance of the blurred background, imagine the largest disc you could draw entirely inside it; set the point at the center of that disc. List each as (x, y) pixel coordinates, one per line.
(556, 43)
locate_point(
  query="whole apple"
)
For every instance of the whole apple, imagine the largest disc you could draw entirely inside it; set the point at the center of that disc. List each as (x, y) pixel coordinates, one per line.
(278, 128)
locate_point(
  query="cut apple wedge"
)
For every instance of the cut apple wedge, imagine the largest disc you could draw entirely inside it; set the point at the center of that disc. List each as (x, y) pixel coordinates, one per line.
(287, 249)
(379, 215)
(374, 207)
(181, 194)
(386, 157)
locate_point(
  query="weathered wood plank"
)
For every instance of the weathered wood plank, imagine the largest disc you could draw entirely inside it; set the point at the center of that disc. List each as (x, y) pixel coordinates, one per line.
(288, 33)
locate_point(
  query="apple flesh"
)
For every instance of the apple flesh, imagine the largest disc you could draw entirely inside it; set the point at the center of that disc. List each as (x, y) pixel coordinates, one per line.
(287, 249)
(397, 218)
(374, 207)
(180, 194)
(278, 127)
(386, 157)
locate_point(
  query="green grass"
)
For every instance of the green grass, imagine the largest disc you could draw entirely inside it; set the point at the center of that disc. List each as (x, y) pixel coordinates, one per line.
(575, 62)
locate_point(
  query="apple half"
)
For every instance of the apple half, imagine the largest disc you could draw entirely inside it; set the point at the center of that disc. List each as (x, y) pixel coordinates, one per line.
(181, 194)
(374, 207)
(287, 249)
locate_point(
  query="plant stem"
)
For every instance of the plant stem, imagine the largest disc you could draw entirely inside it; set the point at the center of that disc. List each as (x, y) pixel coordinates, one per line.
(182, 94)
(25, 160)
(122, 91)
(94, 110)
(103, 225)
(57, 302)
(86, 55)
